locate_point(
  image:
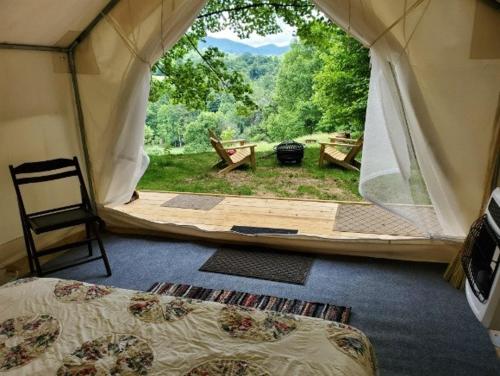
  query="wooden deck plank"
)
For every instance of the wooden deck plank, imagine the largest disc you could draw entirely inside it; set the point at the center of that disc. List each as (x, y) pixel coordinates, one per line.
(251, 203)
(230, 219)
(266, 207)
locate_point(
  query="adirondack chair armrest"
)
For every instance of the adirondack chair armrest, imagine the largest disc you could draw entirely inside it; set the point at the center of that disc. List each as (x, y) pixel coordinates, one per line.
(336, 144)
(240, 141)
(341, 139)
(251, 146)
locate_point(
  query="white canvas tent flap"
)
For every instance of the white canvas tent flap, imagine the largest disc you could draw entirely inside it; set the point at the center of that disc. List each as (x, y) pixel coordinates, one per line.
(435, 87)
(115, 99)
(433, 102)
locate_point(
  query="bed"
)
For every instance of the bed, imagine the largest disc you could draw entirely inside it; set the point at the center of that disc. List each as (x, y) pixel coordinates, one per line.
(59, 327)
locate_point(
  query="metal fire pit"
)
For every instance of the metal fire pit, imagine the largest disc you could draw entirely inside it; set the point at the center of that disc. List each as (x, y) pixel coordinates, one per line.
(289, 152)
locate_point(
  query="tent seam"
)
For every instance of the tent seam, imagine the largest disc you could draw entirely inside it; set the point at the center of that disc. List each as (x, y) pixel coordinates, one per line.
(111, 21)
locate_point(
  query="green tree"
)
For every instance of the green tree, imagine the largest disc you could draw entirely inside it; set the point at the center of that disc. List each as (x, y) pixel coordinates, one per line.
(341, 85)
(191, 82)
(232, 115)
(296, 113)
(196, 135)
(151, 115)
(283, 125)
(228, 134)
(148, 135)
(172, 120)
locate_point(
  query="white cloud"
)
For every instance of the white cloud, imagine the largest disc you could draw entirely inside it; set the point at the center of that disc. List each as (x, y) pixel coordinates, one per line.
(281, 39)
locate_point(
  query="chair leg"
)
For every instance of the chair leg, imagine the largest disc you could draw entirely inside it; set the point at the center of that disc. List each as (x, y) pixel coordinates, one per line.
(220, 164)
(103, 251)
(28, 252)
(38, 268)
(253, 162)
(89, 235)
(347, 166)
(227, 169)
(321, 156)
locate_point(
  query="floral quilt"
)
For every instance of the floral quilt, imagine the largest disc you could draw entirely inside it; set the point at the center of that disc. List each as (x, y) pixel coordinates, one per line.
(68, 328)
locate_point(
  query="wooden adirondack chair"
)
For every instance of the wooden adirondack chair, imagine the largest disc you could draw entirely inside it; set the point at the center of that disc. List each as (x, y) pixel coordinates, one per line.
(330, 153)
(244, 154)
(221, 163)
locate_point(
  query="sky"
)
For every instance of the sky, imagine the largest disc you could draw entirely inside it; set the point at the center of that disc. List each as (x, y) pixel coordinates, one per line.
(282, 39)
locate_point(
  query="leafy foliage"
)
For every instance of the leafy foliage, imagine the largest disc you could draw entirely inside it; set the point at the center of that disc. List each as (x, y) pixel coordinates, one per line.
(196, 135)
(189, 80)
(295, 114)
(148, 135)
(320, 84)
(341, 85)
(171, 121)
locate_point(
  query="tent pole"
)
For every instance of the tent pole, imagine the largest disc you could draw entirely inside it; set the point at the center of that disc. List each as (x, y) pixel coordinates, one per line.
(495, 181)
(81, 125)
(493, 178)
(70, 50)
(93, 23)
(31, 47)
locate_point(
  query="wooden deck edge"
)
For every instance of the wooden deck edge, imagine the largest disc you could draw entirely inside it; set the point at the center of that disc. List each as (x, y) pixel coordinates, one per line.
(255, 197)
(429, 250)
(278, 198)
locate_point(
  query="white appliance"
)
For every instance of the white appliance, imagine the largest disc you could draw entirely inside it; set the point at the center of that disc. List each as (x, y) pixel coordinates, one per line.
(482, 268)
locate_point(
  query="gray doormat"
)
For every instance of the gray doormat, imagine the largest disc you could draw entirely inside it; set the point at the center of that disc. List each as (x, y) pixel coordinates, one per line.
(195, 202)
(262, 230)
(371, 219)
(260, 263)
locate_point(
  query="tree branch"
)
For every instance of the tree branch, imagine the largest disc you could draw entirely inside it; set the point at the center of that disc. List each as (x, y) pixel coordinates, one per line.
(255, 5)
(207, 62)
(160, 68)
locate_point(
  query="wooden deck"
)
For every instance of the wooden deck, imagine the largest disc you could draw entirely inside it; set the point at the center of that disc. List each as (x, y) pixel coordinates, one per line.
(314, 220)
(309, 217)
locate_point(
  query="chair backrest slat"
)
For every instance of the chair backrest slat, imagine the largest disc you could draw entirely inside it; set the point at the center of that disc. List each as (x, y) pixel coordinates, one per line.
(217, 145)
(39, 179)
(34, 172)
(212, 134)
(58, 209)
(54, 164)
(355, 149)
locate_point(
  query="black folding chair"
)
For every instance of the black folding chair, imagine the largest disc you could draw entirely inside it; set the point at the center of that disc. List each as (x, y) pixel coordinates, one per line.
(58, 218)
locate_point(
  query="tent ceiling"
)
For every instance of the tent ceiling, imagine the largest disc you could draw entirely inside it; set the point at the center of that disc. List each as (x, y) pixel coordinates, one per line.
(46, 22)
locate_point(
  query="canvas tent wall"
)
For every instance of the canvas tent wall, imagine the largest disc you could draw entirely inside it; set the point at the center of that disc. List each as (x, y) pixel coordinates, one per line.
(434, 95)
(38, 116)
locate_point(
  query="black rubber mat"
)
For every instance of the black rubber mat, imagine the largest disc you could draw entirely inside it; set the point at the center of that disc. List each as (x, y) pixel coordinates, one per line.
(260, 263)
(262, 230)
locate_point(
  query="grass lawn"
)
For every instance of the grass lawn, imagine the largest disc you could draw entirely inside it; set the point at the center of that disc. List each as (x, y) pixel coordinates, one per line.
(194, 173)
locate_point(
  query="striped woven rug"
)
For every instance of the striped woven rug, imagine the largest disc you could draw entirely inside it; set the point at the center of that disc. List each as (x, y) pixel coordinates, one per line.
(264, 302)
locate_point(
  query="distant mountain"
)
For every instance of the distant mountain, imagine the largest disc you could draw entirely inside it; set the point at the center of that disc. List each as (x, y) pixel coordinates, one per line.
(233, 47)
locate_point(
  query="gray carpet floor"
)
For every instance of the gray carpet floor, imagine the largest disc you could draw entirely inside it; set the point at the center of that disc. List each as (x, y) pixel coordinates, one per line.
(418, 323)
